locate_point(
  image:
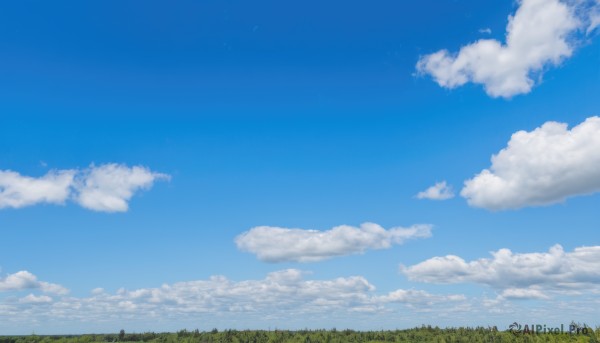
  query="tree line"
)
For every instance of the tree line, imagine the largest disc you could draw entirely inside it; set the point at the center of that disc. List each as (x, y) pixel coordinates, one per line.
(425, 334)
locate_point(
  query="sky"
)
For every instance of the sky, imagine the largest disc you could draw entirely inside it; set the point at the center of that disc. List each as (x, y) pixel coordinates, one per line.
(268, 164)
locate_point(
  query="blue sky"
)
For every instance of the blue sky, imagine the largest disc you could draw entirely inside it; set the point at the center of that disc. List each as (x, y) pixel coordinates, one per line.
(151, 156)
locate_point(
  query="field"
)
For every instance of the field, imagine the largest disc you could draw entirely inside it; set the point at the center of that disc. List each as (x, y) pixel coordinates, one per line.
(422, 334)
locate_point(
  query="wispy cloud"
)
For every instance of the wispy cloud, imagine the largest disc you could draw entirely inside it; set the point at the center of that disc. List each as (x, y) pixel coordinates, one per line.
(538, 35)
(106, 188)
(594, 19)
(544, 166)
(276, 244)
(439, 191)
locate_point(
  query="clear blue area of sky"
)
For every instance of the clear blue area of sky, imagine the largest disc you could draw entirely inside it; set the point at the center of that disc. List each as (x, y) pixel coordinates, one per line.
(297, 114)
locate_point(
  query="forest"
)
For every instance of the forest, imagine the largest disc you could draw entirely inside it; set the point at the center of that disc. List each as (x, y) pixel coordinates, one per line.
(420, 334)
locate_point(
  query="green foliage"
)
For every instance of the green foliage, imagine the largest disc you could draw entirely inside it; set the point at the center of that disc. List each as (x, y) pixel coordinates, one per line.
(425, 334)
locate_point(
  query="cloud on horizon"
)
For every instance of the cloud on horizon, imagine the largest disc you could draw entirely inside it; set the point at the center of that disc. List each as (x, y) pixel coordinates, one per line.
(285, 297)
(517, 275)
(285, 293)
(104, 188)
(277, 244)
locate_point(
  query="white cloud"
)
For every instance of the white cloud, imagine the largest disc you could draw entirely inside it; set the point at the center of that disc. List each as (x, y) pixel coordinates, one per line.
(52, 288)
(33, 299)
(281, 294)
(439, 191)
(538, 35)
(413, 297)
(291, 299)
(518, 275)
(283, 289)
(541, 167)
(25, 280)
(595, 22)
(18, 281)
(97, 291)
(594, 18)
(523, 293)
(276, 244)
(18, 191)
(107, 187)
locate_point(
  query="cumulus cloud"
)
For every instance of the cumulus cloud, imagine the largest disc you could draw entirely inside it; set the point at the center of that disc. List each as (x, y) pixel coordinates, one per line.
(517, 275)
(277, 244)
(413, 297)
(109, 187)
(281, 294)
(106, 188)
(283, 289)
(18, 191)
(439, 191)
(541, 167)
(18, 281)
(24, 280)
(521, 293)
(33, 299)
(540, 34)
(52, 288)
(289, 299)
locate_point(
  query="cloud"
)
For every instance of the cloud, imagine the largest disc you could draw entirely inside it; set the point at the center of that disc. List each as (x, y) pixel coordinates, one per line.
(18, 281)
(52, 288)
(33, 299)
(281, 294)
(517, 275)
(282, 289)
(106, 188)
(419, 297)
(25, 280)
(18, 191)
(594, 18)
(291, 299)
(439, 191)
(540, 34)
(276, 244)
(541, 167)
(595, 22)
(109, 187)
(520, 293)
